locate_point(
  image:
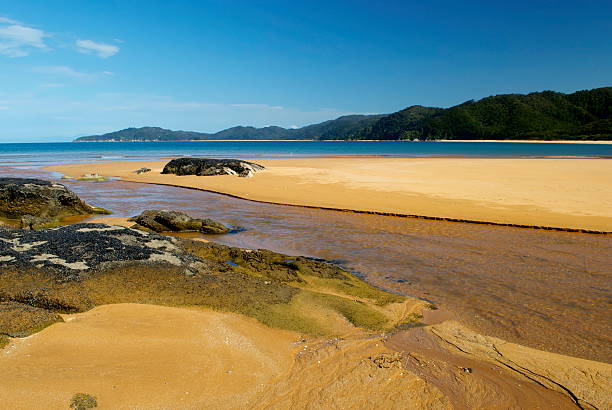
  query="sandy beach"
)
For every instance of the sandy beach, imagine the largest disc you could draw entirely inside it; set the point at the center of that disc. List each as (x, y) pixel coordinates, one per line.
(145, 356)
(559, 193)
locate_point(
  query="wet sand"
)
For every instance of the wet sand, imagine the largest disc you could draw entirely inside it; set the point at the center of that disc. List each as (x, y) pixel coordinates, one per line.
(154, 357)
(562, 193)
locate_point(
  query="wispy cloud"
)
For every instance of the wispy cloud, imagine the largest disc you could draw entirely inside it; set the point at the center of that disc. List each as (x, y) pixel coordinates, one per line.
(8, 21)
(102, 50)
(66, 71)
(52, 85)
(17, 39)
(62, 70)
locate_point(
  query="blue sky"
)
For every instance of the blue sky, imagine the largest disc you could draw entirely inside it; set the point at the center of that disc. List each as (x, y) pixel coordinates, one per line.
(71, 68)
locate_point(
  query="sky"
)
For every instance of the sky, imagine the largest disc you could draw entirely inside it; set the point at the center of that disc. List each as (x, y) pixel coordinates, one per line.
(80, 67)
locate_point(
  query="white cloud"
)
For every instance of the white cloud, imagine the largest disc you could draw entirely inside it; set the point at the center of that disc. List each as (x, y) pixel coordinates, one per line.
(66, 71)
(17, 40)
(100, 49)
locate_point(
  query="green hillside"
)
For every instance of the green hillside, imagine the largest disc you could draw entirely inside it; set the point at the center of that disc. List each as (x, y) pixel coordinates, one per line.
(540, 115)
(543, 115)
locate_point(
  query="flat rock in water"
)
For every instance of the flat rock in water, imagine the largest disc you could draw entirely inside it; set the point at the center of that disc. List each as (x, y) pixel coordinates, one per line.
(174, 221)
(39, 198)
(209, 166)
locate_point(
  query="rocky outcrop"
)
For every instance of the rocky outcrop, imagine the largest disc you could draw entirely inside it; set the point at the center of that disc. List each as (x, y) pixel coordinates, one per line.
(208, 166)
(174, 221)
(75, 268)
(71, 251)
(42, 199)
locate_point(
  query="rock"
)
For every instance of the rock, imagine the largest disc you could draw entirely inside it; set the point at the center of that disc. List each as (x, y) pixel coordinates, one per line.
(175, 221)
(83, 401)
(142, 170)
(38, 198)
(208, 166)
(34, 222)
(69, 251)
(74, 268)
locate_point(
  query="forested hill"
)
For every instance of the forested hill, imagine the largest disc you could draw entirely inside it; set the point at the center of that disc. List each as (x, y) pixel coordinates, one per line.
(543, 115)
(340, 128)
(540, 115)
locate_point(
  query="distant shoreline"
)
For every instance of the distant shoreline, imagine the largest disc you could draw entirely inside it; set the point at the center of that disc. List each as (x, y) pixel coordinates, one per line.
(539, 141)
(607, 142)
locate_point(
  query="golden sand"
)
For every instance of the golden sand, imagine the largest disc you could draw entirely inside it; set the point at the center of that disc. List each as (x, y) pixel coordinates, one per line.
(563, 193)
(145, 356)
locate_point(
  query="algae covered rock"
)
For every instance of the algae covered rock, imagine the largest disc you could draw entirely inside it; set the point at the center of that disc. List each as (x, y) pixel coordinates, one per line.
(39, 198)
(20, 320)
(209, 166)
(175, 221)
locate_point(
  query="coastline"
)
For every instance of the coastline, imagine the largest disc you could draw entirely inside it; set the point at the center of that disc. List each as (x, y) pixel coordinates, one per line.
(310, 140)
(510, 192)
(539, 141)
(297, 370)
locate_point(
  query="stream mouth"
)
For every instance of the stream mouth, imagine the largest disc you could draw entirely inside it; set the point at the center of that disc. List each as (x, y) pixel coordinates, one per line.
(531, 287)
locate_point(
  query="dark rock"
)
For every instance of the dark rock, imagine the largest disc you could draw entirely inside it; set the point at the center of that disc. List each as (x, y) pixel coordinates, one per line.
(175, 221)
(208, 166)
(142, 170)
(70, 252)
(42, 199)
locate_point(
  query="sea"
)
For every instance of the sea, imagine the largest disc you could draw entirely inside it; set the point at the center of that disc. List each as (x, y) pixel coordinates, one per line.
(57, 152)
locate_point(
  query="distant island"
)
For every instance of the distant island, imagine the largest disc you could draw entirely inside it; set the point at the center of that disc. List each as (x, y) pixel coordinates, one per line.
(547, 115)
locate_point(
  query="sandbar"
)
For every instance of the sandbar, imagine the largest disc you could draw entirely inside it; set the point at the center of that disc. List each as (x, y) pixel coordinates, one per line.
(564, 193)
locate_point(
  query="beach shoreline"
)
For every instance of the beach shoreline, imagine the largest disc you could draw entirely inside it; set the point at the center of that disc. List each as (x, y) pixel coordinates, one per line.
(510, 192)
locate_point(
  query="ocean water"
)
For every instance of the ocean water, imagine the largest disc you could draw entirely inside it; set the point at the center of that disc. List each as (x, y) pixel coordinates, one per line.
(112, 151)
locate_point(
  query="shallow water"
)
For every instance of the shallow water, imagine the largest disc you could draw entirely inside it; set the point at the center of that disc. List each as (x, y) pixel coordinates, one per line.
(548, 290)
